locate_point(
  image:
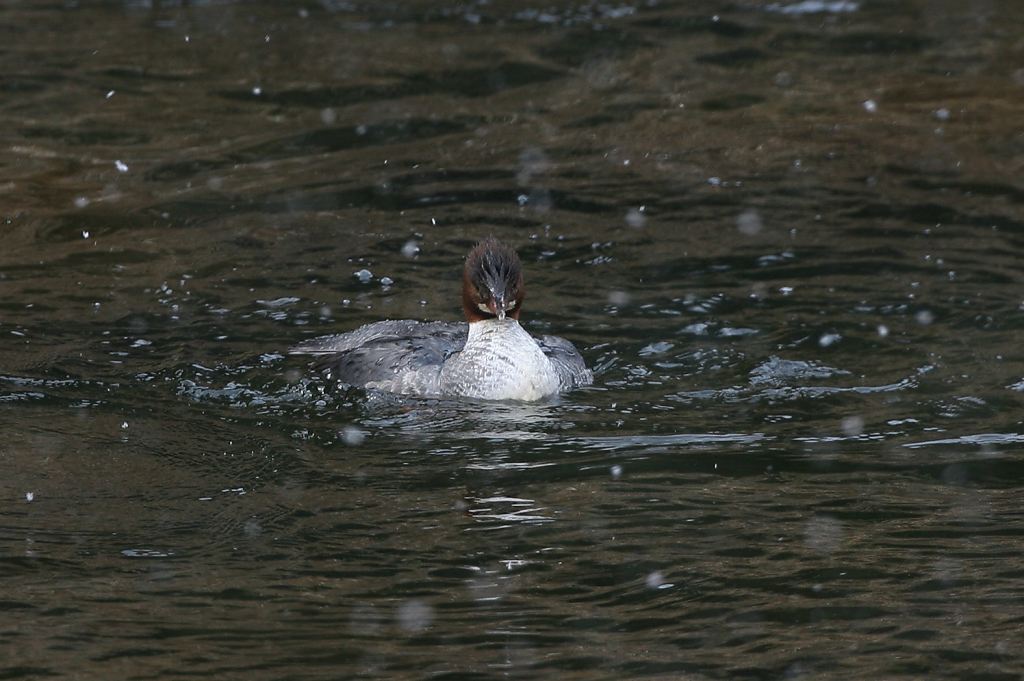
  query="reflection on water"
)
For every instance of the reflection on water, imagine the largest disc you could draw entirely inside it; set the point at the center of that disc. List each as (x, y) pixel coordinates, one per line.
(783, 233)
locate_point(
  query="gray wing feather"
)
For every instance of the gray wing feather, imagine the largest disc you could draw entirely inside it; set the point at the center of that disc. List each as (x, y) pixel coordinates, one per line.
(380, 351)
(568, 363)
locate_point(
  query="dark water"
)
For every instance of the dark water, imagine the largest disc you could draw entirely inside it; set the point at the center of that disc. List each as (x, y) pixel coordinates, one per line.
(788, 240)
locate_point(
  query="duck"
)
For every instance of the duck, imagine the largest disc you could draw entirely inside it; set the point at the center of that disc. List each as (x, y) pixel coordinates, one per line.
(489, 356)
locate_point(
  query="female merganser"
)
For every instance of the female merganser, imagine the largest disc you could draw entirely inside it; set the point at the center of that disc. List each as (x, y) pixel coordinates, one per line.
(491, 357)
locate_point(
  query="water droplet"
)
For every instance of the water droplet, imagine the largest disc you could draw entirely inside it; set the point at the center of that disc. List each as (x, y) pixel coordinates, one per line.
(411, 248)
(852, 426)
(635, 218)
(618, 298)
(121, 166)
(823, 534)
(828, 339)
(616, 472)
(870, 105)
(352, 436)
(749, 222)
(414, 615)
(656, 580)
(364, 276)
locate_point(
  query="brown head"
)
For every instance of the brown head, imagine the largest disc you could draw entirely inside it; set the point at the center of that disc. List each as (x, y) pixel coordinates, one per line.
(492, 282)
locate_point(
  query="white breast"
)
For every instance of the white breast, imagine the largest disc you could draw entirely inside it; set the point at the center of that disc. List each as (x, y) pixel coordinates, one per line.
(500, 361)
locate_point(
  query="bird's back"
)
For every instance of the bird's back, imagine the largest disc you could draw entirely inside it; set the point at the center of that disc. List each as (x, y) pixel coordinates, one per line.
(383, 350)
(567, 362)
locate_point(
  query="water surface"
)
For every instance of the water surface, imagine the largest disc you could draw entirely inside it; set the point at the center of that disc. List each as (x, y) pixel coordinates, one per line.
(785, 235)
